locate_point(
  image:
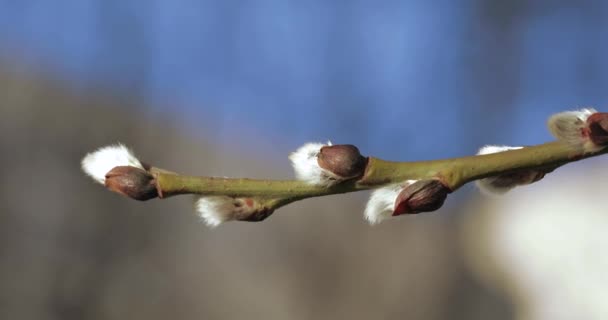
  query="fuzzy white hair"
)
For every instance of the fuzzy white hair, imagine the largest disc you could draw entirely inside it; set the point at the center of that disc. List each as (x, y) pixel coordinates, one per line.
(567, 126)
(214, 210)
(381, 204)
(307, 169)
(495, 149)
(96, 164)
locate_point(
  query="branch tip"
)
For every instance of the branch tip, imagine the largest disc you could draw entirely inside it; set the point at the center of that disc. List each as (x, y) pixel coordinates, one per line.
(571, 127)
(597, 129)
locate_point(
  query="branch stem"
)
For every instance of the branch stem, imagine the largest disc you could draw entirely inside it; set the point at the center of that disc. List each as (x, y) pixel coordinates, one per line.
(453, 173)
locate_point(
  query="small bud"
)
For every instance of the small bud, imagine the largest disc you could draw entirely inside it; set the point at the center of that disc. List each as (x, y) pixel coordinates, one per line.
(498, 185)
(327, 165)
(257, 215)
(344, 160)
(597, 128)
(421, 196)
(570, 126)
(218, 209)
(132, 182)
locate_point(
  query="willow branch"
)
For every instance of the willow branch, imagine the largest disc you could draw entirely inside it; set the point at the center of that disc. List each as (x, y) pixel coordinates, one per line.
(325, 169)
(453, 173)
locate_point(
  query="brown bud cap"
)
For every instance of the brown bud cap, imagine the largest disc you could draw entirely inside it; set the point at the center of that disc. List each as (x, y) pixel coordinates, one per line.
(597, 128)
(132, 182)
(421, 196)
(257, 215)
(343, 160)
(251, 210)
(518, 178)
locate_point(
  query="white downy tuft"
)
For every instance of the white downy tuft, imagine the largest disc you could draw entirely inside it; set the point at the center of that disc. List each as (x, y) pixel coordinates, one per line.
(381, 203)
(568, 126)
(96, 164)
(307, 169)
(216, 209)
(495, 149)
(500, 184)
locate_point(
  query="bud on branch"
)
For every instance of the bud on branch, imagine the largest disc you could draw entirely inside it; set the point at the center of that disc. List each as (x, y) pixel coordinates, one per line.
(421, 196)
(343, 160)
(500, 184)
(327, 164)
(132, 182)
(585, 128)
(597, 128)
(218, 209)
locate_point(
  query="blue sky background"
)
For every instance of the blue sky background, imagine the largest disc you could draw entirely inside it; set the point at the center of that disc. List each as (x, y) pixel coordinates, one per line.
(407, 80)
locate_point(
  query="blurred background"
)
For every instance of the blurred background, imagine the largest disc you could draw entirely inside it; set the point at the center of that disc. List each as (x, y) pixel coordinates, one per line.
(229, 88)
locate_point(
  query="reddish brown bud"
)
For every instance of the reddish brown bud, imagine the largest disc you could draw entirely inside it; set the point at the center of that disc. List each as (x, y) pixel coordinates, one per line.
(343, 160)
(250, 209)
(597, 128)
(518, 178)
(132, 182)
(257, 215)
(421, 196)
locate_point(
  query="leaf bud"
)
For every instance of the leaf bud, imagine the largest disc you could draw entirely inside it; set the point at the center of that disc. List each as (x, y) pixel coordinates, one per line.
(132, 182)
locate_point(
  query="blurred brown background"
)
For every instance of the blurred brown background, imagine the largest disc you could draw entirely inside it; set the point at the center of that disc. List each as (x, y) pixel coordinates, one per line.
(228, 88)
(71, 250)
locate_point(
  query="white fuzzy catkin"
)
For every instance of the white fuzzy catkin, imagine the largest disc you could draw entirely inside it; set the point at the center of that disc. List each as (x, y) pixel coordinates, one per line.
(96, 164)
(218, 209)
(494, 185)
(215, 209)
(381, 202)
(307, 169)
(568, 126)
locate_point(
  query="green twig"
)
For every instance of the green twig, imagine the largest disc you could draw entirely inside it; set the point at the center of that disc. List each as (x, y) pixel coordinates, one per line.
(453, 173)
